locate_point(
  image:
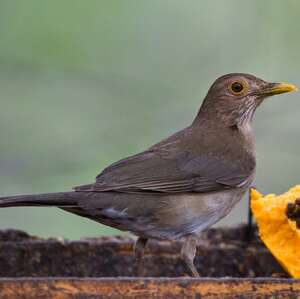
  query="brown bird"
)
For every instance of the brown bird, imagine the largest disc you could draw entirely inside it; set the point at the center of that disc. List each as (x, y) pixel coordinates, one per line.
(183, 184)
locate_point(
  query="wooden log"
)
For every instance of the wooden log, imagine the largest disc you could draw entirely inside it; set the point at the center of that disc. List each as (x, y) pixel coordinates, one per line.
(137, 288)
(32, 268)
(221, 252)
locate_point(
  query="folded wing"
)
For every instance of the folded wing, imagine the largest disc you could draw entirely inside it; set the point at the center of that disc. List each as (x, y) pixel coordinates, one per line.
(156, 171)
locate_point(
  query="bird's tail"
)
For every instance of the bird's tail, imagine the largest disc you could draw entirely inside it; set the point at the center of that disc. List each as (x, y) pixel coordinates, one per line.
(60, 199)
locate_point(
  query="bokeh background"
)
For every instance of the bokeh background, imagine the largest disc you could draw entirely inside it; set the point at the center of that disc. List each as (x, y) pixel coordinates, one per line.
(85, 83)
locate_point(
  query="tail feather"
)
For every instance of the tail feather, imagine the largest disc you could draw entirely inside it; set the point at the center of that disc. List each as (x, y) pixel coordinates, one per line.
(60, 199)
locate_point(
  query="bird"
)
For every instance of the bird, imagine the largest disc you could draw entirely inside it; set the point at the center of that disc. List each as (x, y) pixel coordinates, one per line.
(183, 184)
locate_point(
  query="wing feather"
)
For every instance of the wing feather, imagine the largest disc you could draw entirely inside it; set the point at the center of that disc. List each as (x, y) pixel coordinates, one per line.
(151, 171)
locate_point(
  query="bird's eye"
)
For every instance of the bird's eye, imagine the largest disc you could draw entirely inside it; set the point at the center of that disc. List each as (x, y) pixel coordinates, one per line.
(237, 87)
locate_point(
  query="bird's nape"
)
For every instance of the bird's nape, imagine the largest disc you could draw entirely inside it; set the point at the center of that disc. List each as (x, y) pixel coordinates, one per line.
(232, 99)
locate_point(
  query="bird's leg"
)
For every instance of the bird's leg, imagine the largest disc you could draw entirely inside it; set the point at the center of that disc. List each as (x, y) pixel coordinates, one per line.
(188, 253)
(139, 249)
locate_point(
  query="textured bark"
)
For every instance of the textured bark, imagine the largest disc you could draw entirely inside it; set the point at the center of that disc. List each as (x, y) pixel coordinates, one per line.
(163, 288)
(56, 268)
(221, 252)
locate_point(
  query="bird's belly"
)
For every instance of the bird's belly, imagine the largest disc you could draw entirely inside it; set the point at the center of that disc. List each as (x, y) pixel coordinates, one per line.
(187, 214)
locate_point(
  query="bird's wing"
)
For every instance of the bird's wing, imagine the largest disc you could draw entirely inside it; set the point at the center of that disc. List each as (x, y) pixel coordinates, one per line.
(156, 171)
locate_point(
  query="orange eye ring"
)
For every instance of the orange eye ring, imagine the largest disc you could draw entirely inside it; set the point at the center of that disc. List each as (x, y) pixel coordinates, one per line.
(238, 87)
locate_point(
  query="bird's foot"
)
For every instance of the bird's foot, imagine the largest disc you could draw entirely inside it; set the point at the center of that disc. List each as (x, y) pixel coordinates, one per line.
(188, 253)
(139, 250)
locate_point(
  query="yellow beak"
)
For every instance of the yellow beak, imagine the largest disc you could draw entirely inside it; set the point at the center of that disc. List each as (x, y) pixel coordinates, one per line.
(277, 88)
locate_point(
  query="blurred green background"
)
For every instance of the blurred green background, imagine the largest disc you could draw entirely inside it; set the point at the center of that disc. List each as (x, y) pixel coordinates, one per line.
(85, 83)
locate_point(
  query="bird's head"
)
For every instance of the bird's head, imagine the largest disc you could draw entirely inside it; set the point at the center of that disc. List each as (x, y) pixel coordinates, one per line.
(233, 98)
